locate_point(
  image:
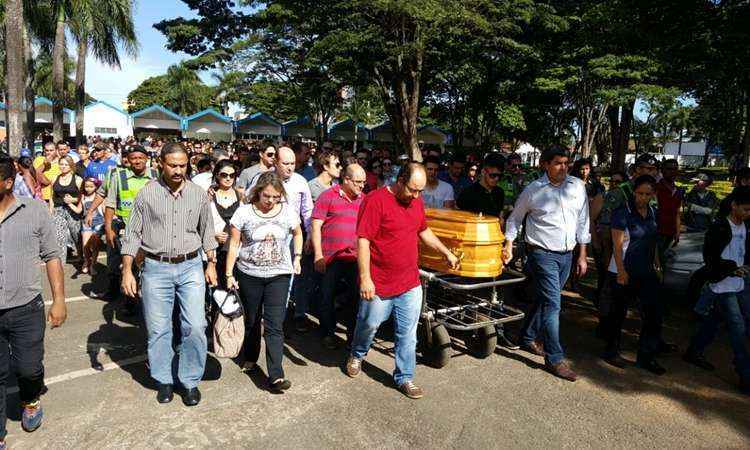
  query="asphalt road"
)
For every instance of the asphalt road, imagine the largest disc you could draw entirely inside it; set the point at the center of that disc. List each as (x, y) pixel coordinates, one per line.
(504, 401)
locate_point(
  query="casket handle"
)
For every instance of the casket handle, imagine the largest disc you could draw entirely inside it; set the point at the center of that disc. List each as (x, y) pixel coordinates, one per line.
(458, 252)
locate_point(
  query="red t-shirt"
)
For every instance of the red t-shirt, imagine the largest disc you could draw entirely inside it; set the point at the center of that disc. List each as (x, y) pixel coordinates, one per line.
(669, 200)
(393, 231)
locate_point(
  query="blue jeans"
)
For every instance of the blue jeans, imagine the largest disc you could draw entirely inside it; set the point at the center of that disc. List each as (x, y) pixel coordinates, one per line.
(727, 308)
(405, 308)
(161, 284)
(549, 271)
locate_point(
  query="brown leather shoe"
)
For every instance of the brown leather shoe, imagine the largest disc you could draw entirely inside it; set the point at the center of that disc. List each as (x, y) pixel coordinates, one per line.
(411, 390)
(353, 366)
(561, 370)
(535, 348)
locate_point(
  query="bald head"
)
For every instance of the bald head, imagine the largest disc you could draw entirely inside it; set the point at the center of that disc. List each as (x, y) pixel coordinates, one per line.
(354, 180)
(411, 183)
(354, 170)
(285, 162)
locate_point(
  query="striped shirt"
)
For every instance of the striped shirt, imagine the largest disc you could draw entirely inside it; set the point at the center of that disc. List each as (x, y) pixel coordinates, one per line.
(171, 224)
(26, 237)
(339, 232)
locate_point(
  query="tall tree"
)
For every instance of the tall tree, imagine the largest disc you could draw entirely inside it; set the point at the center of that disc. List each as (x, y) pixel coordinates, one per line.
(100, 27)
(15, 28)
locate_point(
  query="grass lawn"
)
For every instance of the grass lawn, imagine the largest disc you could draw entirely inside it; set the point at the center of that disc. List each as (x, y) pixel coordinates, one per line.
(721, 188)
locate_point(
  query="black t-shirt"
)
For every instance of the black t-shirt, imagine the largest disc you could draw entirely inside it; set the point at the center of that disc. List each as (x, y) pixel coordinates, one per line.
(477, 199)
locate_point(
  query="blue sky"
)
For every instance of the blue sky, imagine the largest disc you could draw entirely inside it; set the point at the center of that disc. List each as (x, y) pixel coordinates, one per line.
(113, 85)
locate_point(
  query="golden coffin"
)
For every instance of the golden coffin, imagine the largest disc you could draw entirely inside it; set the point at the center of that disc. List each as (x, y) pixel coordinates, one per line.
(476, 239)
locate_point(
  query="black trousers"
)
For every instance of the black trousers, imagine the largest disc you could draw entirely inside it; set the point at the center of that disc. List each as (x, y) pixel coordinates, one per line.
(270, 294)
(646, 289)
(22, 347)
(340, 277)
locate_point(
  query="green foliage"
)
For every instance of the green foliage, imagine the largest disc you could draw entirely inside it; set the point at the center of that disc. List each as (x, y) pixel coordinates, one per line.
(180, 90)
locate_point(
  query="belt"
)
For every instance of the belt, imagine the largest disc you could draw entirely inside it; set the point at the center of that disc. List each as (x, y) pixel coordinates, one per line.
(532, 247)
(172, 259)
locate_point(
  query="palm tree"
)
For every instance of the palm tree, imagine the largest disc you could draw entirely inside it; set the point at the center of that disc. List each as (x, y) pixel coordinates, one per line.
(15, 57)
(184, 84)
(100, 27)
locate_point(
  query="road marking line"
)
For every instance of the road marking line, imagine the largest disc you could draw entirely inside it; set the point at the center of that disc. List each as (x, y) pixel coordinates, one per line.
(86, 372)
(71, 299)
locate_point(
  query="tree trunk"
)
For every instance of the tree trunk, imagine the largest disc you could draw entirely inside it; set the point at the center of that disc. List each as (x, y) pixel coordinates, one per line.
(14, 73)
(356, 135)
(30, 92)
(58, 75)
(83, 50)
(620, 121)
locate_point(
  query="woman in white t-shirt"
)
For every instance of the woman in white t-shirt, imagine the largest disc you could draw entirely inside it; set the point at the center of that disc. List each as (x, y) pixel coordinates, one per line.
(260, 236)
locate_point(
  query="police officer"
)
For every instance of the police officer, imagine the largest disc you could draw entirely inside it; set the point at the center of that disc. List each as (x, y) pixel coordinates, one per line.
(118, 195)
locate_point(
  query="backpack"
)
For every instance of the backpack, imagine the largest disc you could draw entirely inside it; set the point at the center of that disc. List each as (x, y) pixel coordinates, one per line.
(228, 330)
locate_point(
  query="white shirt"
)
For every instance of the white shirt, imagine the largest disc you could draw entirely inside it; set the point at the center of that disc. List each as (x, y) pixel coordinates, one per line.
(557, 217)
(297, 195)
(612, 264)
(734, 251)
(437, 197)
(203, 180)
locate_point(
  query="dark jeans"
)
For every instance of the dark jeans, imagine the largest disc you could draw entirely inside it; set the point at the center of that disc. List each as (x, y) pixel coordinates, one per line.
(344, 274)
(726, 307)
(22, 347)
(646, 288)
(304, 287)
(549, 272)
(271, 294)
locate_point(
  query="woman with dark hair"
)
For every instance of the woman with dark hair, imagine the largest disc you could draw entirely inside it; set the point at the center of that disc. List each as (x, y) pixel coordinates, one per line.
(582, 170)
(226, 200)
(66, 207)
(26, 184)
(635, 272)
(260, 235)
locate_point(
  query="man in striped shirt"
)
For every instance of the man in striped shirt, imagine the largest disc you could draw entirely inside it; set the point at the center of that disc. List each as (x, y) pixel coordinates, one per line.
(334, 238)
(170, 223)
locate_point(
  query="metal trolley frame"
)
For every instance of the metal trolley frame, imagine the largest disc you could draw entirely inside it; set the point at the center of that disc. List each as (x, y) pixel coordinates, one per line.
(471, 307)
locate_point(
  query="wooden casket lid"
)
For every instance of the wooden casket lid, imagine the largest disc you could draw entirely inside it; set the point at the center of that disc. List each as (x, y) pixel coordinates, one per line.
(454, 215)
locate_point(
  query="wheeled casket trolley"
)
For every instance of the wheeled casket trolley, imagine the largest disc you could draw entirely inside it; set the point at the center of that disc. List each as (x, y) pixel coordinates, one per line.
(465, 302)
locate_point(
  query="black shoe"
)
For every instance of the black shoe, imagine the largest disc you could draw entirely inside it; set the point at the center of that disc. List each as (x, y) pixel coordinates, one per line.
(666, 348)
(698, 360)
(503, 341)
(652, 366)
(301, 325)
(614, 359)
(191, 397)
(280, 385)
(165, 393)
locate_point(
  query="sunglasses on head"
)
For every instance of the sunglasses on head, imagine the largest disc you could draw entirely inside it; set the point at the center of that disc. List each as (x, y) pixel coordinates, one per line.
(227, 175)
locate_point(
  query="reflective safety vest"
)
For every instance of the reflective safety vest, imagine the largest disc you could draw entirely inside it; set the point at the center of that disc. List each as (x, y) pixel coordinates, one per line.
(128, 187)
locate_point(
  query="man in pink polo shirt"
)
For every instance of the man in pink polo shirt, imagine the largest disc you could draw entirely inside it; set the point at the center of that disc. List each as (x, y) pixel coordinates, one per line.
(391, 221)
(334, 239)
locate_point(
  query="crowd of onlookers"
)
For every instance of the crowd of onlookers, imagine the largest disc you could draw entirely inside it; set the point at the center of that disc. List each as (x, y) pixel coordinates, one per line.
(327, 230)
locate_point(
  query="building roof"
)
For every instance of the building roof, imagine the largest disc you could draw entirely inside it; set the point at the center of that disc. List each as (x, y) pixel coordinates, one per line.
(157, 108)
(45, 101)
(259, 115)
(99, 102)
(348, 123)
(208, 112)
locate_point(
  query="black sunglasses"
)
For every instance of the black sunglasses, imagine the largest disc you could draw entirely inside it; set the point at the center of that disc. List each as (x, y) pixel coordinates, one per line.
(271, 154)
(494, 176)
(227, 175)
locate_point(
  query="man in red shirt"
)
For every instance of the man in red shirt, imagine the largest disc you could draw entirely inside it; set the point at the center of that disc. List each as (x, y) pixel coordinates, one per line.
(669, 198)
(391, 220)
(334, 240)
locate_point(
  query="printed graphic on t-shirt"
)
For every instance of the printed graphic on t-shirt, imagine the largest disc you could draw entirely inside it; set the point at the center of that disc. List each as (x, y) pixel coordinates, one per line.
(266, 247)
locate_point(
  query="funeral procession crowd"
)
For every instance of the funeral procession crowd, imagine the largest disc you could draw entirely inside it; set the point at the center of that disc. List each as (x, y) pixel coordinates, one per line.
(216, 247)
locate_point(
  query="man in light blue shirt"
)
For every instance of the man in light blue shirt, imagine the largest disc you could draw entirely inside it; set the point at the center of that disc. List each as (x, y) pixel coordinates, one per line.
(556, 214)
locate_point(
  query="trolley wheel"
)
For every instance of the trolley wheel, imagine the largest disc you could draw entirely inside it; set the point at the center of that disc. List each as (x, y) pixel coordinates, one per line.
(438, 352)
(482, 342)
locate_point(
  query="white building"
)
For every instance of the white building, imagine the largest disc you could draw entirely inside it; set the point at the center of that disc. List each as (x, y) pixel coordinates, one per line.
(104, 120)
(691, 153)
(208, 124)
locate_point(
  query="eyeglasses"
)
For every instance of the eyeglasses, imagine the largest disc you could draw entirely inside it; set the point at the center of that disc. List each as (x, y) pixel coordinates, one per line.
(358, 182)
(271, 154)
(386, 163)
(494, 176)
(227, 175)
